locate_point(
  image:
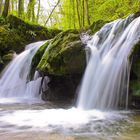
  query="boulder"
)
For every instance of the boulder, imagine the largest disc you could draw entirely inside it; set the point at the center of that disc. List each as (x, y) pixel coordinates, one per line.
(64, 56)
(63, 60)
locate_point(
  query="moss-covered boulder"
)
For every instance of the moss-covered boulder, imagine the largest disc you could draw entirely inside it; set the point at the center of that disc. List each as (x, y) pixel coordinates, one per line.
(15, 34)
(63, 60)
(10, 40)
(31, 32)
(37, 57)
(8, 57)
(65, 55)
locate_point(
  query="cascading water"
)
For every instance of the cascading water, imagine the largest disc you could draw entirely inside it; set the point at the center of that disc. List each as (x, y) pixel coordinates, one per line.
(106, 79)
(14, 80)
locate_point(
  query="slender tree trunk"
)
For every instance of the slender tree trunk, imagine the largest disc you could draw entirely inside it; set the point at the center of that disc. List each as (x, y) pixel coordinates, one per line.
(69, 17)
(20, 8)
(139, 5)
(38, 11)
(33, 13)
(87, 12)
(12, 5)
(52, 12)
(78, 13)
(83, 15)
(30, 10)
(6, 8)
(73, 7)
(16, 6)
(1, 4)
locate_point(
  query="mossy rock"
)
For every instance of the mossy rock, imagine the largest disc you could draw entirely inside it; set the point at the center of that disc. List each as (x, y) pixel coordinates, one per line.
(8, 57)
(10, 40)
(37, 57)
(65, 55)
(15, 34)
(32, 32)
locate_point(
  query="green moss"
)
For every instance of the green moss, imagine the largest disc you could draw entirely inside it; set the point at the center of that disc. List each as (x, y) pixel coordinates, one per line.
(31, 32)
(15, 34)
(37, 57)
(65, 55)
(10, 40)
(8, 57)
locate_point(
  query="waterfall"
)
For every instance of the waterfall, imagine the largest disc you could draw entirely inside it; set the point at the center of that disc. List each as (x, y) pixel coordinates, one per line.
(14, 80)
(106, 79)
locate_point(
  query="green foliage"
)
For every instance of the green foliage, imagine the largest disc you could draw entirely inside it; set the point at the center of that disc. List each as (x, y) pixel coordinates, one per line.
(105, 10)
(2, 20)
(31, 32)
(72, 14)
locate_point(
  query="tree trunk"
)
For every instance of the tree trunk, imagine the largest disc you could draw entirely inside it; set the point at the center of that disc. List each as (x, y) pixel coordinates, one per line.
(83, 15)
(1, 4)
(52, 12)
(30, 10)
(20, 8)
(12, 5)
(6, 8)
(78, 13)
(73, 7)
(38, 11)
(87, 12)
(16, 6)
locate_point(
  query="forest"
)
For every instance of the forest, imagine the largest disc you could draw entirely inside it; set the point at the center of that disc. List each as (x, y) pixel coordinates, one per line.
(68, 14)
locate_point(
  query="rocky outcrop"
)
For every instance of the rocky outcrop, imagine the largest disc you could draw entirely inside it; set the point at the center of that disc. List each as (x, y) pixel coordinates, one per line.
(15, 34)
(63, 59)
(30, 32)
(65, 55)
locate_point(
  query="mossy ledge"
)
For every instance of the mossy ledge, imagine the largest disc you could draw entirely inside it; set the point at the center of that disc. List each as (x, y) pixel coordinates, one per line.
(15, 34)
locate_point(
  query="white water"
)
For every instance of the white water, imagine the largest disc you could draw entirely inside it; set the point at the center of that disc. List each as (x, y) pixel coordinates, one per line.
(14, 80)
(106, 80)
(65, 121)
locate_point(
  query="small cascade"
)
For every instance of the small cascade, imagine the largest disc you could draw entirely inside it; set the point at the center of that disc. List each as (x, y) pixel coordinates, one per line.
(106, 79)
(14, 80)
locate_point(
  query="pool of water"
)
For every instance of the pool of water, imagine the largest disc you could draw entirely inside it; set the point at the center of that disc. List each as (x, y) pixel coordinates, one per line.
(41, 121)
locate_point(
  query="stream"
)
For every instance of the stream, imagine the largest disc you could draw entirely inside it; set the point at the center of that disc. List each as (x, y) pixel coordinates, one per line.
(22, 119)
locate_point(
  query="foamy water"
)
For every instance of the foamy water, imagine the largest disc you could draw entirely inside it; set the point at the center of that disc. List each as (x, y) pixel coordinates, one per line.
(35, 117)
